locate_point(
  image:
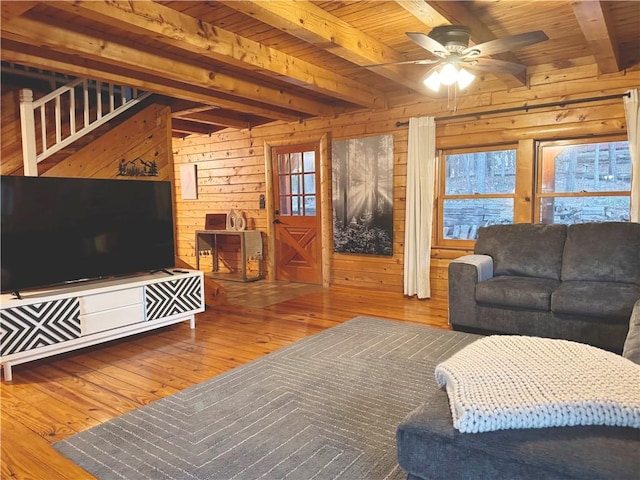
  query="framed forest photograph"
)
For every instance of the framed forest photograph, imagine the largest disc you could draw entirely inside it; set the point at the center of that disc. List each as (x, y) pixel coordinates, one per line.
(362, 184)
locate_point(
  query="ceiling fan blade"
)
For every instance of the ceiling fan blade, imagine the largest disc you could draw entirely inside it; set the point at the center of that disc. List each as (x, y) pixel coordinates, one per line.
(405, 62)
(505, 44)
(428, 43)
(492, 65)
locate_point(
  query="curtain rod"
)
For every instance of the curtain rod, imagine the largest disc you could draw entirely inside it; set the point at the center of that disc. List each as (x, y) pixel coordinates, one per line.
(525, 108)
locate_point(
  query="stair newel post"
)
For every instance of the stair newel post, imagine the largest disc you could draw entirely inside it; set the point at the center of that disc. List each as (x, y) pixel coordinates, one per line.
(28, 128)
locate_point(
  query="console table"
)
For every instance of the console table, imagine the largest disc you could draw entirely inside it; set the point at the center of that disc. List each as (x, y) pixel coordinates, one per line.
(54, 320)
(250, 245)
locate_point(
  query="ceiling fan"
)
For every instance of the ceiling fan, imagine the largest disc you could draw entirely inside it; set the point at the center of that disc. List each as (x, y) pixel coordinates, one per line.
(450, 45)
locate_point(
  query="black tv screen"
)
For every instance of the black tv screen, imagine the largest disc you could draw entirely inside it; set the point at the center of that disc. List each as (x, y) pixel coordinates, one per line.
(58, 230)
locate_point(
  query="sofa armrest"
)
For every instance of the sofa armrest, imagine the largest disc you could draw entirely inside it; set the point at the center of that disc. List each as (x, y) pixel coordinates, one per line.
(483, 264)
(464, 274)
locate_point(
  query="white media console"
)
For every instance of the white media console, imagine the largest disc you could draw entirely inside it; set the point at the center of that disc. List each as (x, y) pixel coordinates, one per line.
(59, 319)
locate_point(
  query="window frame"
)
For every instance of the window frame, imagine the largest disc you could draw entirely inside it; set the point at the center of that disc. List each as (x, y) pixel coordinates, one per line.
(301, 193)
(539, 195)
(441, 195)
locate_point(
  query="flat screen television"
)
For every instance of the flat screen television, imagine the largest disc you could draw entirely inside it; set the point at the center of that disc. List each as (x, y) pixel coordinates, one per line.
(59, 230)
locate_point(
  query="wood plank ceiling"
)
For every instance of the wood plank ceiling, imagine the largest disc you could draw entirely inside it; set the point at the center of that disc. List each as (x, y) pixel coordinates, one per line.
(239, 64)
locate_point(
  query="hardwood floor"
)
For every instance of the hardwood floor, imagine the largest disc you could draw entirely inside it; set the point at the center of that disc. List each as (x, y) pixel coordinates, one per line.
(52, 399)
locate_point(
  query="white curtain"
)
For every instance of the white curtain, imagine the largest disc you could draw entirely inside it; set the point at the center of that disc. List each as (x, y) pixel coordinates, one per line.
(421, 163)
(632, 112)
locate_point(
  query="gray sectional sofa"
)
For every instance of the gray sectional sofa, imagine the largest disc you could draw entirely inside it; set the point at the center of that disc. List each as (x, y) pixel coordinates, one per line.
(576, 282)
(430, 448)
(579, 283)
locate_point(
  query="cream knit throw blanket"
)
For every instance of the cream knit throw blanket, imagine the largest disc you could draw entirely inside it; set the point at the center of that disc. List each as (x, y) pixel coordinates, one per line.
(504, 382)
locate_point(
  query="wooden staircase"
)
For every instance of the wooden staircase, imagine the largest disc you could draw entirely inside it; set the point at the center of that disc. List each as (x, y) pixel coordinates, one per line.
(53, 122)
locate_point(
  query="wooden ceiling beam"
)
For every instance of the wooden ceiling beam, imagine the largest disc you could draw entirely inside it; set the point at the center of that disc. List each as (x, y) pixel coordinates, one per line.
(11, 10)
(456, 13)
(596, 26)
(183, 107)
(60, 39)
(183, 31)
(216, 117)
(312, 24)
(185, 126)
(33, 56)
(424, 12)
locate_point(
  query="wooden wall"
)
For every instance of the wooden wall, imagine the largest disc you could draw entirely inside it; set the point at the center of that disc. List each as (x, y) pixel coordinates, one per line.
(231, 170)
(11, 159)
(231, 165)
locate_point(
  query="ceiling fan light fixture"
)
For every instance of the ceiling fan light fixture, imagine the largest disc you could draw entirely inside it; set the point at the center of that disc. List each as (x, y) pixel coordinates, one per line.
(464, 78)
(448, 74)
(433, 81)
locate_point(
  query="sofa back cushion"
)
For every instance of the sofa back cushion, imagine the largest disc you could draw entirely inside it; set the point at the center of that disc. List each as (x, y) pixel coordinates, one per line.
(602, 252)
(523, 249)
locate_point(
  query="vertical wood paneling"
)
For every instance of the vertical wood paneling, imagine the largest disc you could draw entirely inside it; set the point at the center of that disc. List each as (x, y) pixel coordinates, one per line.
(11, 159)
(523, 203)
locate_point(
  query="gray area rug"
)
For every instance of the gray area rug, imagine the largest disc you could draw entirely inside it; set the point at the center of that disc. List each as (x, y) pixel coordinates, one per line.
(325, 407)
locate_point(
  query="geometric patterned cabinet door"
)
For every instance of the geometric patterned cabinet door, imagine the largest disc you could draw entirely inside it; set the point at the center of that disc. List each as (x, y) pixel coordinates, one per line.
(38, 325)
(173, 297)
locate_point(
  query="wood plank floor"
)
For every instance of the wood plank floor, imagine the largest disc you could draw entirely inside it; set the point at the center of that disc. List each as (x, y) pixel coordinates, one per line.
(52, 399)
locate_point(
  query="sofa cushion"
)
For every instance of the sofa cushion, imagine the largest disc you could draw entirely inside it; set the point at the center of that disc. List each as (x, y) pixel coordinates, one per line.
(608, 301)
(523, 249)
(604, 252)
(631, 349)
(517, 292)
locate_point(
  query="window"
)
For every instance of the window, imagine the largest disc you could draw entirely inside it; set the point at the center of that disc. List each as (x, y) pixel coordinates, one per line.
(478, 188)
(297, 182)
(583, 181)
(567, 181)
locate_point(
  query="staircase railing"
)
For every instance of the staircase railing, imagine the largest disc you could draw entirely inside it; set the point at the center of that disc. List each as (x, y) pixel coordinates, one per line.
(72, 111)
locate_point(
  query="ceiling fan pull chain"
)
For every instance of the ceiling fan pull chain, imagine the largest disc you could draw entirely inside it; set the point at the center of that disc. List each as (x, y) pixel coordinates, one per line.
(455, 98)
(448, 98)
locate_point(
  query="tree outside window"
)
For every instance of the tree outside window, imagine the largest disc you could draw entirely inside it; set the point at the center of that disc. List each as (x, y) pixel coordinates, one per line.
(478, 190)
(580, 181)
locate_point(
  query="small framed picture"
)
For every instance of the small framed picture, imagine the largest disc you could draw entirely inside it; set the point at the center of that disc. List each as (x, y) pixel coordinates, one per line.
(189, 181)
(215, 221)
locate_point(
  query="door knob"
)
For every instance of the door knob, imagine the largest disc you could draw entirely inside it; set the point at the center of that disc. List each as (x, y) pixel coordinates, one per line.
(277, 221)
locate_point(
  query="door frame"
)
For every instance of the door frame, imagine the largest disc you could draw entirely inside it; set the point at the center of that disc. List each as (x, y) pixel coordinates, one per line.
(326, 211)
